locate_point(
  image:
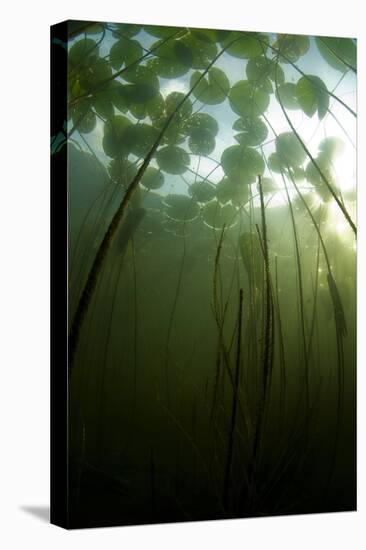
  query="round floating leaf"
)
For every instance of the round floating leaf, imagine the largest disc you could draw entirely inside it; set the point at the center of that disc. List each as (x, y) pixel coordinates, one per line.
(213, 88)
(152, 178)
(114, 142)
(242, 163)
(228, 190)
(247, 100)
(117, 93)
(253, 130)
(155, 108)
(206, 35)
(288, 95)
(292, 46)
(202, 191)
(81, 51)
(313, 176)
(124, 51)
(290, 150)
(331, 146)
(275, 164)
(87, 123)
(268, 186)
(140, 93)
(103, 106)
(122, 171)
(140, 138)
(201, 141)
(80, 27)
(215, 216)
(245, 45)
(181, 207)
(138, 110)
(312, 95)
(258, 67)
(173, 160)
(172, 59)
(171, 103)
(201, 121)
(297, 173)
(125, 29)
(337, 50)
(277, 74)
(183, 53)
(203, 51)
(162, 32)
(141, 74)
(173, 135)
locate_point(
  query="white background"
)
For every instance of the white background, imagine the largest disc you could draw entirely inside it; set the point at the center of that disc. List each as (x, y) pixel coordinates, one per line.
(24, 274)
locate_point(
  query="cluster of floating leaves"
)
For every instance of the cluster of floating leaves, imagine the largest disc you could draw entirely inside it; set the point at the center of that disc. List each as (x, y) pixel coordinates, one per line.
(123, 91)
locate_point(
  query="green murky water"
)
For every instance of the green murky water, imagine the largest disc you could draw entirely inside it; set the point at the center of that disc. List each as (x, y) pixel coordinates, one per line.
(212, 272)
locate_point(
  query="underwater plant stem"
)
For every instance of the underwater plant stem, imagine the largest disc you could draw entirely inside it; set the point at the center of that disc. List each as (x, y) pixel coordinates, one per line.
(92, 279)
(316, 165)
(120, 72)
(226, 493)
(281, 54)
(267, 360)
(171, 318)
(348, 65)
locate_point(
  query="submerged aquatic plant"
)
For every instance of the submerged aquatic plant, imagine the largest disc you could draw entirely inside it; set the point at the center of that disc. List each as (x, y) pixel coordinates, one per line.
(212, 259)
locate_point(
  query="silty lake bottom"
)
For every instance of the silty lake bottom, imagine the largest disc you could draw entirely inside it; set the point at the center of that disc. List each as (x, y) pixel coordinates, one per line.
(212, 273)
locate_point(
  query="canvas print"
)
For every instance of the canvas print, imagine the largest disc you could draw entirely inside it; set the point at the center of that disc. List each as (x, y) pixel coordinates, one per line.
(211, 265)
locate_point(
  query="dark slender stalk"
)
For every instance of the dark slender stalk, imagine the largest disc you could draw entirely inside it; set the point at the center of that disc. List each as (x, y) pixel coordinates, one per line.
(348, 65)
(229, 460)
(91, 282)
(316, 165)
(267, 357)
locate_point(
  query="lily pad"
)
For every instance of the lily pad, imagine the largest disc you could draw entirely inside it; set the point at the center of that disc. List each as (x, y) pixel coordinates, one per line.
(114, 142)
(229, 190)
(200, 121)
(87, 123)
(124, 52)
(173, 160)
(313, 176)
(122, 171)
(172, 59)
(81, 51)
(152, 178)
(181, 207)
(245, 45)
(289, 150)
(125, 29)
(269, 187)
(337, 50)
(247, 100)
(287, 92)
(312, 95)
(171, 103)
(213, 88)
(292, 46)
(331, 146)
(260, 69)
(140, 138)
(203, 51)
(202, 191)
(215, 216)
(253, 131)
(242, 163)
(162, 32)
(201, 141)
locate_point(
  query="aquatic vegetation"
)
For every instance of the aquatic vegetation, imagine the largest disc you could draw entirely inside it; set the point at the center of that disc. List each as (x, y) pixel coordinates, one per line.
(212, 272)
